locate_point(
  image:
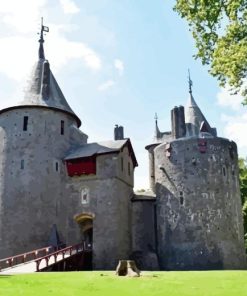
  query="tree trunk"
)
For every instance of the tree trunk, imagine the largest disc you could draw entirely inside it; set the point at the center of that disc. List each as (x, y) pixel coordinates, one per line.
(127, 267)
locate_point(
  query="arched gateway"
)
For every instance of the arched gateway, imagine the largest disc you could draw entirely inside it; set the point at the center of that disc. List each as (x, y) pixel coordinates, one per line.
(85, 222)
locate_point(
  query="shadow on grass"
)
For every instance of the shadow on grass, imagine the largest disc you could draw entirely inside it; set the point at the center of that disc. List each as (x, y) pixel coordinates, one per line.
(4, 276)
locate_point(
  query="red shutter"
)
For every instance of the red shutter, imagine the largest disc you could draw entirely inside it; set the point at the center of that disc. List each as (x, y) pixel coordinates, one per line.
(81, 166)
(202, 144)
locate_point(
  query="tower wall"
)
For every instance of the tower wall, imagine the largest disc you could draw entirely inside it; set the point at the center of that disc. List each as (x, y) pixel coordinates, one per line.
(151, 166)
(33, 194)
(199, 222)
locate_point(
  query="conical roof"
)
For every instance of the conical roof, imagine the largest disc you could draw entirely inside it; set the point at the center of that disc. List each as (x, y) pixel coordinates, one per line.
(42, 89)
(157, 133)
(193, 114)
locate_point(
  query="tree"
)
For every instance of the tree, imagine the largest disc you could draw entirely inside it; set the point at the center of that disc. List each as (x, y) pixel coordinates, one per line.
(243, 189)
(219, 28)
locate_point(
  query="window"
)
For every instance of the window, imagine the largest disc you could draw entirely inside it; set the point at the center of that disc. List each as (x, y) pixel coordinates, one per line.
(22, 164)
(62, 127)
(56, 166)
(129, 168)
(85, 195)
(25, 123)
(224, 171)
(181, 197)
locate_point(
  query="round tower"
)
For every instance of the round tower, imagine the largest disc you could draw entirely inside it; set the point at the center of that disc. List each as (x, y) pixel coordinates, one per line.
(199, 217)
(35, 137)
(198, 205)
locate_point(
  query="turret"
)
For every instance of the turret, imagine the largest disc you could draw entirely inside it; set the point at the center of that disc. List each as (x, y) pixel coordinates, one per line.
(35, 136)
(194, 117)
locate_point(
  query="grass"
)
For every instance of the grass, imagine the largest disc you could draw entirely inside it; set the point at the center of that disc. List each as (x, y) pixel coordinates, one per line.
(194, 283)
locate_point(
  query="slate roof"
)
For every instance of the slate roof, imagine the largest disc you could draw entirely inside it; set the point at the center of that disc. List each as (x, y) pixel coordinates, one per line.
(43, 90)
(194, 115)
(106, 147)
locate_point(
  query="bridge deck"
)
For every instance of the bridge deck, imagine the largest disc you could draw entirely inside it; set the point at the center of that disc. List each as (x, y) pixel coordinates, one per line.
(37, 264)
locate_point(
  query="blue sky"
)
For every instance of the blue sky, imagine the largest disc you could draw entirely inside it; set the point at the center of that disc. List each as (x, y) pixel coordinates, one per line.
(117, 62)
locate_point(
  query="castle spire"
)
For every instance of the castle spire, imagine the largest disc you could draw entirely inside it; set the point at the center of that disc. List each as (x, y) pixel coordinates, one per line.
(194, 115)
(190, 82)
(191, 100)
(41, 40)
(42, 89)
(156, 131)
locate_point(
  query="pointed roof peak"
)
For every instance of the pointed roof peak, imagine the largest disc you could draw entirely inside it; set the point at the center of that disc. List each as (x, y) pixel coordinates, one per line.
(41, 40)
(190, 82)
(156, 131)
(192, 102)
(42, 89)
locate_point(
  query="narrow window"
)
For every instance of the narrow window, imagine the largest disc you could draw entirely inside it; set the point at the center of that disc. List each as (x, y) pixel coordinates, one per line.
(129, 168)
(22, 164)
(56, 166)
(122, 164)
(224, 171)
(181, 197)
(62, 127)
(25, 123)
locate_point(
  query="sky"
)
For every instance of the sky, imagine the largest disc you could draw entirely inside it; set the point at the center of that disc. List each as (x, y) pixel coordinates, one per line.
(117, 62)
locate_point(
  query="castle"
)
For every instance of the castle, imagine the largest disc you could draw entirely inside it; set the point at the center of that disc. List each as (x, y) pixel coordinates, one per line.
(52, 181)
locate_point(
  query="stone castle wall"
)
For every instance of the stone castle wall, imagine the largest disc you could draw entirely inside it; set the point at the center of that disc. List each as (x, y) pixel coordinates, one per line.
(110, 192)
(199, 222)
(32, 176)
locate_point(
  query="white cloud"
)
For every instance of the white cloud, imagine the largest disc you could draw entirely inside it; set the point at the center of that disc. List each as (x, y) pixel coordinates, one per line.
(235, 129)
(69, 7)
(106, 85)
(23, 16)
(70, 50)
(225, 99)
(119, 65)
(19, 23)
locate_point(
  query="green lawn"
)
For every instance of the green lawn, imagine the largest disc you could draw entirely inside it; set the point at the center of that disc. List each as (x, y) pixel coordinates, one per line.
(208, 283)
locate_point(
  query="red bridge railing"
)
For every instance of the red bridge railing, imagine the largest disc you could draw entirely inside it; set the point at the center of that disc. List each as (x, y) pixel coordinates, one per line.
(69, 251)
(25, 257)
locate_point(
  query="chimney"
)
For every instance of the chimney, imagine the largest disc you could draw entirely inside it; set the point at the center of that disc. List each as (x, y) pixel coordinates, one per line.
(178, 122)
(118, 133)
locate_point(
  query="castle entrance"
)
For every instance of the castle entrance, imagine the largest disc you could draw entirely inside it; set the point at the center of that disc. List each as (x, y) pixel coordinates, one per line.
(85, 223)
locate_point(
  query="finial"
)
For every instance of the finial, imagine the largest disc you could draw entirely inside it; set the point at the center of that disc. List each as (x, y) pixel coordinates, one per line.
(156, 130)
(41, 39)
(190, 82)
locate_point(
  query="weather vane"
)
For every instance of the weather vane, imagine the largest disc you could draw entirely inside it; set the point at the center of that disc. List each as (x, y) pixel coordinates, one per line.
(41, 39)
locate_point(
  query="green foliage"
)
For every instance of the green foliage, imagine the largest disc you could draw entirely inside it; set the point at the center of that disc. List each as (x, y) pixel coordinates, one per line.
(243, 189)
(219, 28)
(243, 179)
